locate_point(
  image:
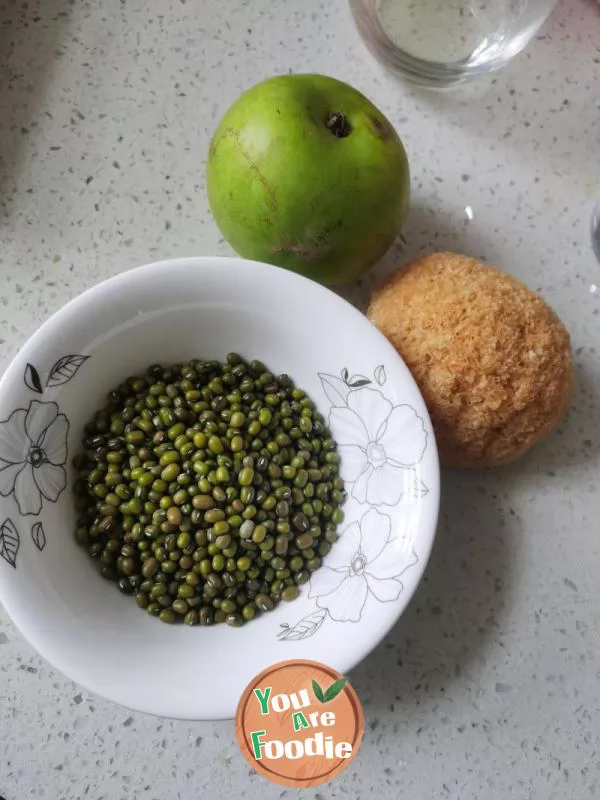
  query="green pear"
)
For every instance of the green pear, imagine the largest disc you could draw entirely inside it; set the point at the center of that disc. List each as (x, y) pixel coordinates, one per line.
(306, 173)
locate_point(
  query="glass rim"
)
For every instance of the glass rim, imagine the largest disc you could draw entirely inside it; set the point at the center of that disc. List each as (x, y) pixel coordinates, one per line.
(434, 74)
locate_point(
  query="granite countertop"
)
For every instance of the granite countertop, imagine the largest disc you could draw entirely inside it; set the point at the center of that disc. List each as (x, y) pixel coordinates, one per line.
(488, 686)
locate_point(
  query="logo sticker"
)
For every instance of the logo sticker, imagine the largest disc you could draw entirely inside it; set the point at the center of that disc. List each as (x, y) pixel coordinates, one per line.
(299, 723)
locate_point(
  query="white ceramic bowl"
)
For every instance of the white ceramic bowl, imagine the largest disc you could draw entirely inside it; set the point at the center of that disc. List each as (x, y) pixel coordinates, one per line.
(173, 311)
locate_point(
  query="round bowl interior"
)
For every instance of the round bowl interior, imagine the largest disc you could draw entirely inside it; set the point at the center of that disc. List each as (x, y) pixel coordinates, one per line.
(203, 308)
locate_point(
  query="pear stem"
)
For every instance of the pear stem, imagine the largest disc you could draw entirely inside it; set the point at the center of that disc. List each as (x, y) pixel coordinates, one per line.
(339, 125)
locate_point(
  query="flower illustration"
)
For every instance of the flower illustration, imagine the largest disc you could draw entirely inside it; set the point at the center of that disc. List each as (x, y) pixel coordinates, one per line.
(33, 450)
(377, 443)
(365, 560)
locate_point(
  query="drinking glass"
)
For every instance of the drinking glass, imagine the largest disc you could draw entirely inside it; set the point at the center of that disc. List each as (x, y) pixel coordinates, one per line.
(440, 43)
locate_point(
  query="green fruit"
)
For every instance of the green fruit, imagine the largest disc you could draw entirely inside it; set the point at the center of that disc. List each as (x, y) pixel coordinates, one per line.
(304, 172)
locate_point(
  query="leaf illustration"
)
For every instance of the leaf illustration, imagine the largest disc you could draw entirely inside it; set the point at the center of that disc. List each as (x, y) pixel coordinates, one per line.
(358, 380)
(344, 374)
(379, 374)
(64, 369)
(420, 489)
(318, 691)
(9, 542)
(305, 628)
(336, 389)
(38, 536)
(32, 379)
(334, 689)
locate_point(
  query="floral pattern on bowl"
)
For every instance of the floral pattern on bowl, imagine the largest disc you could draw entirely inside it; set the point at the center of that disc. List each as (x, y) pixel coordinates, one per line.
(33, 454)
(379, 444)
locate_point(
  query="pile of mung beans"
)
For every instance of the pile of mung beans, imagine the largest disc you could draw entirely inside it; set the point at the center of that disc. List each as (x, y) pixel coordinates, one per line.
(208, 490)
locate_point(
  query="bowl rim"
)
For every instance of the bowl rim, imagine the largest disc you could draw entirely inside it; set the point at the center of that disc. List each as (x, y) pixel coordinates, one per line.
(427, 531)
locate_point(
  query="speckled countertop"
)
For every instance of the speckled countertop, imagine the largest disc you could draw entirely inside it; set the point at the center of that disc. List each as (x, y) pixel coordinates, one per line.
(488, 686)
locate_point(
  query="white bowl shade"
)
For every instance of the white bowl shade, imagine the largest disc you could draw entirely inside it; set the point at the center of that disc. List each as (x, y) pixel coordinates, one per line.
(172, 312)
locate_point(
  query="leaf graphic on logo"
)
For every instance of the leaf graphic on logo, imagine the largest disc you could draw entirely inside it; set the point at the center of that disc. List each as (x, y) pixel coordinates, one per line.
(38, 536)
(9, 542)
(358, 380)
(379, 374)
(32, 379)
(336, 389)
(318, 691)
(64, 369)
(305, 628)
(334, 690)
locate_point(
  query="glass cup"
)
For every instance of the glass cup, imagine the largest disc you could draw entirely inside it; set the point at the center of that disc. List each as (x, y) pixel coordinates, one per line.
(440, 43)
